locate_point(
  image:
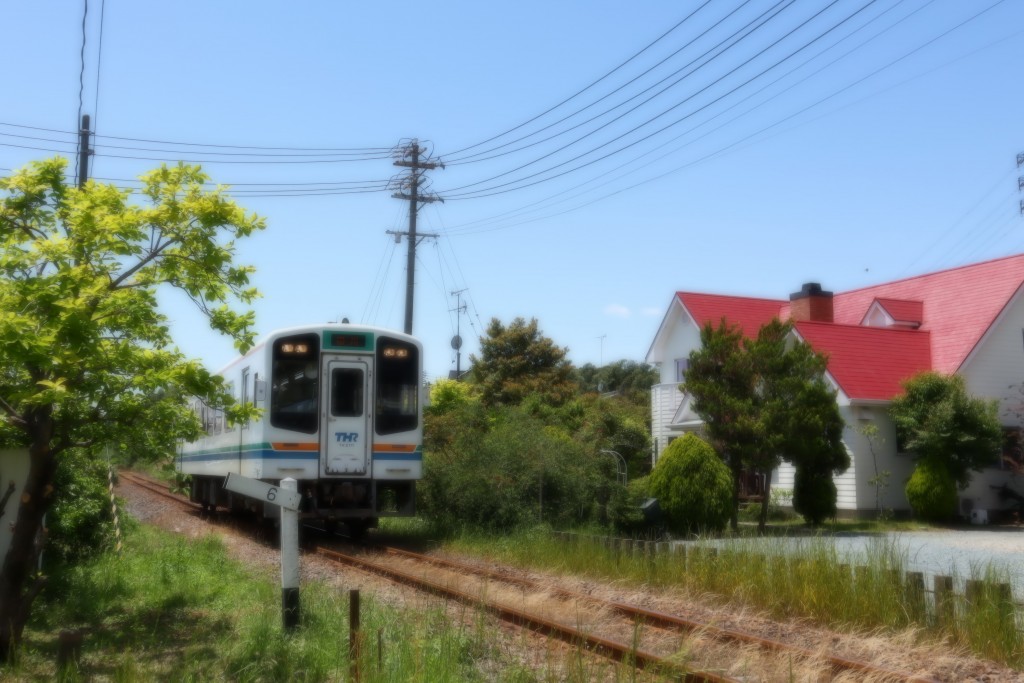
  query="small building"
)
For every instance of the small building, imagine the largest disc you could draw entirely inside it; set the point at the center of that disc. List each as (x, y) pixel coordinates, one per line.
(967, 320)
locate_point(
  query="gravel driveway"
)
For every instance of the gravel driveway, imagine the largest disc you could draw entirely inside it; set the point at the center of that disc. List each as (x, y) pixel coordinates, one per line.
(960, 553)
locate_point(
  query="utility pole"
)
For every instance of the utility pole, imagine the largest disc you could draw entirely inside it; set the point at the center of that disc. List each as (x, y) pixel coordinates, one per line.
(1020, 180)
(459, 309)
(409, 187)
(83, 151)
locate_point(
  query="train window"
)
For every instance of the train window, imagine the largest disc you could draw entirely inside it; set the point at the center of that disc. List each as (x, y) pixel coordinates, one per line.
(294, 383)
(347, 392)
(398, 386)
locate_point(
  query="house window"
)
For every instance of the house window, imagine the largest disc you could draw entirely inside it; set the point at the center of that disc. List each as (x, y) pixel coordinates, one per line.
(682, 365)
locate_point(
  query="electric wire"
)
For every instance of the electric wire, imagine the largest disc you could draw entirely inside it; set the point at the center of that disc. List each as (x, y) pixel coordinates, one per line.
(377, 151)
(764, 129)
(472, 158)
(81, 82)
(775, 8)
(99, 72)
(1003, 178)
(748, 97)
(496, 189)
(815, 104)
(585, 89)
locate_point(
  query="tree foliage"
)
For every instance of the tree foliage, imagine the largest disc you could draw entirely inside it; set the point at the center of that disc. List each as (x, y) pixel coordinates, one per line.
(627, 378)
(511, 470)
(931, 491)
(764, 400)
(814, 495)
(86, 357)
(693, 486)
(938, 421)
(518, 360)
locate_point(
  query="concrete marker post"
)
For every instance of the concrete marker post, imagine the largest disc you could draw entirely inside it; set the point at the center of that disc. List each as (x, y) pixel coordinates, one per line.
(289, 561)
(285, 496)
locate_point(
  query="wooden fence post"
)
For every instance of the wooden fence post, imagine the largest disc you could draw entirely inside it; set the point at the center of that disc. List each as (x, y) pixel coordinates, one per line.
(353, 633)
(944, 600)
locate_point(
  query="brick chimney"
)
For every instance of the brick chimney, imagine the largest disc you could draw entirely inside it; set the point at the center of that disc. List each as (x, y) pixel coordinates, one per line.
(811, 303)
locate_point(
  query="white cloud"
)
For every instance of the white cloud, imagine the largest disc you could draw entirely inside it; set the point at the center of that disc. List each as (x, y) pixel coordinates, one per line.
(617, 310)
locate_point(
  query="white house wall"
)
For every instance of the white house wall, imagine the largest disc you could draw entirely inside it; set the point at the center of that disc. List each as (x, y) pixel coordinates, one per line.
(679, 336)
(996, 369)
(891, 496)
(665, 401)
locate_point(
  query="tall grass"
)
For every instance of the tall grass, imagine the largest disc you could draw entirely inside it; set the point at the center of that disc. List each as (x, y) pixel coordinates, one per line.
(174, 609)
(803, 578)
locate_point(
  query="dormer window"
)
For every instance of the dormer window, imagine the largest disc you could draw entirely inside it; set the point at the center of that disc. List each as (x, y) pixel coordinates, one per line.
(899, 313)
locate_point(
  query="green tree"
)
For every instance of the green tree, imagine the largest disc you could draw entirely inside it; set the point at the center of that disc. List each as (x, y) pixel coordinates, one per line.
(936, 419)
(512, 470)
(517, 361)
(693, 486)
(86, 357)
(947, 428)
(765, 400)
(931, 491)
(627, 378)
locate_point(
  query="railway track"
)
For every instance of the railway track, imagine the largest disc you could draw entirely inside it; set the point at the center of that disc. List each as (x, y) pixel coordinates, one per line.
(621, 651)
(639, 624)
(156, 487)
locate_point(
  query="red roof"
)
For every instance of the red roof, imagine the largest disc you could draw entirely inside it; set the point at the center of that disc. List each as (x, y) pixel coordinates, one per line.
(955, 308)
(869, 362)
(750, 314)
(903, 311)
(959, 305)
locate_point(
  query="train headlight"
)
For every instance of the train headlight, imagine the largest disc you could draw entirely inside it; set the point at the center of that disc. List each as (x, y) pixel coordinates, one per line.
(393, 352)
(294, 348)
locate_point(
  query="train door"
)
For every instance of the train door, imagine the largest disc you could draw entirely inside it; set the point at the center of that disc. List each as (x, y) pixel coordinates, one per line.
(346, 434)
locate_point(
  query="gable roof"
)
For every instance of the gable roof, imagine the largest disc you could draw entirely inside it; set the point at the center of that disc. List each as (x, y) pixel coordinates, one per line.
(749, 313)
(943, 317)
(902, 310)
(959, 304)
(869, 362)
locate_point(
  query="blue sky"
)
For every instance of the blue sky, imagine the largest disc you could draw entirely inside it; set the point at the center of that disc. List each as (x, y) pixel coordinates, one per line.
(848, 143)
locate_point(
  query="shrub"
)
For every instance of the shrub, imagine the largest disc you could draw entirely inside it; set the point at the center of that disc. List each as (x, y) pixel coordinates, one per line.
(814, 495)
(510, 471)
(80, 523)
(624, 510)
(693, 486)
(931, 491)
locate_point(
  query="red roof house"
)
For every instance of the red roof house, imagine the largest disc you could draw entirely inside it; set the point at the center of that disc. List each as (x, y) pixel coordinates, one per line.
(967, 320)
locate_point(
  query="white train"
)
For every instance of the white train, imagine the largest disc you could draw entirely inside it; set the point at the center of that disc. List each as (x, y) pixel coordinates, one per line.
(342, 415)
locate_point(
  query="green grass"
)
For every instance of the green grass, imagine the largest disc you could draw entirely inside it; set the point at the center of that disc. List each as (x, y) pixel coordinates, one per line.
(865, 592)
(176, 609)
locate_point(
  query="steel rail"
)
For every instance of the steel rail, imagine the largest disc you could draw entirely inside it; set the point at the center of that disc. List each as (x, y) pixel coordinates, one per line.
(612, 649)
(603, 646)
(665, 620)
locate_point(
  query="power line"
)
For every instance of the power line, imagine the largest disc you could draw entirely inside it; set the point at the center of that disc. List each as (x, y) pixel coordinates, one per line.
(788, 3)
(760, 131)
(472, 157)
(580, 92)
(339, 150)
(496, 189)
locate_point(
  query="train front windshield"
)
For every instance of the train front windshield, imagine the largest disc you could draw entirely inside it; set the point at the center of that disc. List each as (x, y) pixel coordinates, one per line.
(398, 386)
(295, 386)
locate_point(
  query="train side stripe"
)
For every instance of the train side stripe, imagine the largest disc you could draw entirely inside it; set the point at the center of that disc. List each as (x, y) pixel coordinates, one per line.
(260, 451)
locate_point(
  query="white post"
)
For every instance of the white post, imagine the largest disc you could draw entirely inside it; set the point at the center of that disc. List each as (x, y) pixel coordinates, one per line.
(289, 561)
